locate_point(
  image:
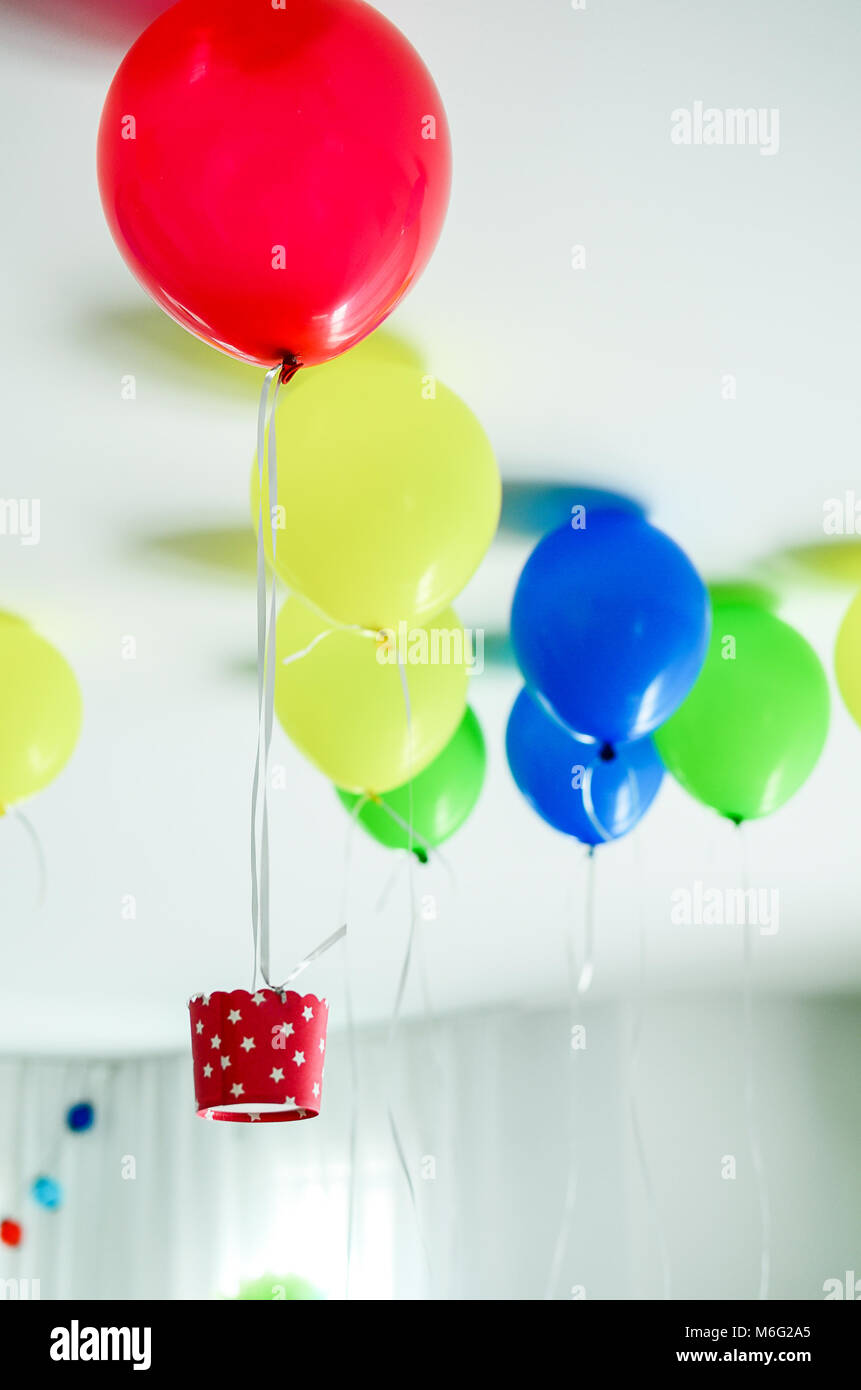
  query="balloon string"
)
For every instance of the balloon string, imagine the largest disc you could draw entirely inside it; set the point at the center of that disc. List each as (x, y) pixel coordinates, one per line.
(267, 465)
(260, 865)
(404, 975)
(750, 1089)
(569, 1204)
(633, 1065)
(41, 868)
(353, 1048)
(587, 971)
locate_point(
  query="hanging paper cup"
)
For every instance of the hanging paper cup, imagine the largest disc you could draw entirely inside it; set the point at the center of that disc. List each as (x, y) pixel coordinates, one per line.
(258, 1057)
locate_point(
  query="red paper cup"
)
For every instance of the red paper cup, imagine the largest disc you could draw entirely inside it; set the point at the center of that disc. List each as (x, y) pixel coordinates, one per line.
(258, 1057)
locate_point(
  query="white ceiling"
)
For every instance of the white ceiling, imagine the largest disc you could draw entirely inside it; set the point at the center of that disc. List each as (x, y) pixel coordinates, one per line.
(700, 261)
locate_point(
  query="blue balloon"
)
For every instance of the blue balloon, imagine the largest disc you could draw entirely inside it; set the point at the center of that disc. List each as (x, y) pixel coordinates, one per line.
(588, 790)
(610, 625)
(533, 508)
(81, 1116)
(47, 1193)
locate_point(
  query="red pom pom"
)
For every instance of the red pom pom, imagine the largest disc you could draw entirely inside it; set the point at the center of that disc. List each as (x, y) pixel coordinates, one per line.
(10, 1233)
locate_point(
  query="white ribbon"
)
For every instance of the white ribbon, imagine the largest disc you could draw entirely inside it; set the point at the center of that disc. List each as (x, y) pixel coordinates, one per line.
(750, 1090)
(267, 450)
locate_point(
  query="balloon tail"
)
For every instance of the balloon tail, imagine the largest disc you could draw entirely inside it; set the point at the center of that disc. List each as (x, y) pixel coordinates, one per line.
(41, 867)
(633, 1065)
(750, 1090)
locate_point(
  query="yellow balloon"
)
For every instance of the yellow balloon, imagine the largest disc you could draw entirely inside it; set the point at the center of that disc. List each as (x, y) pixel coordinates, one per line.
(388, 492)
(847, 659)
(342, 703)
(40, 711)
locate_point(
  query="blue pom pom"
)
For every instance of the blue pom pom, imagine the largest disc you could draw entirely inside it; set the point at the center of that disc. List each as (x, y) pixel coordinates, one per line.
(81, 1116)
(47, 1193)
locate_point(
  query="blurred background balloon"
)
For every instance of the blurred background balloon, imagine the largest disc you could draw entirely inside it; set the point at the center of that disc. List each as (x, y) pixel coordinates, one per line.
(582, 788)
(753, 727)
(744, 591)
(40, 711)
(342, 703)
(534, 508)
(182, 364)
(80, 1117)
(47, 1192)
(609, 625)
(388, 493)
(278, 1288)
(438, 800)
(847, 659)
(313, 248)
(113, 23)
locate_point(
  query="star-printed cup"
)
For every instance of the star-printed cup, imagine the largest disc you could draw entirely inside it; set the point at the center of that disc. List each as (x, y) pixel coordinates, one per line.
(258, 1057)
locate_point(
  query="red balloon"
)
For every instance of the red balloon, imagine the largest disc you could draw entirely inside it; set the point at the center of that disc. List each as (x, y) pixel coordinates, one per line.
(10, 1233)
(275, 172)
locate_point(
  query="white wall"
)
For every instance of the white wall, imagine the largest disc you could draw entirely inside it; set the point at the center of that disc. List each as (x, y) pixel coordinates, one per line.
(486, 1096)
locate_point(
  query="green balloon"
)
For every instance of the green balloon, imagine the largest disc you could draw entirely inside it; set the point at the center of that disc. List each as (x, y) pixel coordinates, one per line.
(743, 591)
(443, 795)
(751, 730)
(274, 1288)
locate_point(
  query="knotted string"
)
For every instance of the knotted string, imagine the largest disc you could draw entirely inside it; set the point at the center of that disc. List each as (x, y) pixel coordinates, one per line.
(750, 1088)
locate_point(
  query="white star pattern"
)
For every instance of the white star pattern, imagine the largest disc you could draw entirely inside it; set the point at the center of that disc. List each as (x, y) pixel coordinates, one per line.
(302, 1022)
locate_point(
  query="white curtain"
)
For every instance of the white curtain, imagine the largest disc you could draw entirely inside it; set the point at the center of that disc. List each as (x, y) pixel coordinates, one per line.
(493, 1110)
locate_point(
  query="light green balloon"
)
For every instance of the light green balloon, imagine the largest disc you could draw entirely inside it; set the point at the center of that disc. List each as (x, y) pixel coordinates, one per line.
(753, 727)
(275, 1288)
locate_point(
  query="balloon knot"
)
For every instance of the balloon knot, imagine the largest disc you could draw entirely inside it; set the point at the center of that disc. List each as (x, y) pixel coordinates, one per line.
(421, 855)
(289, 367)
(607, 753)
